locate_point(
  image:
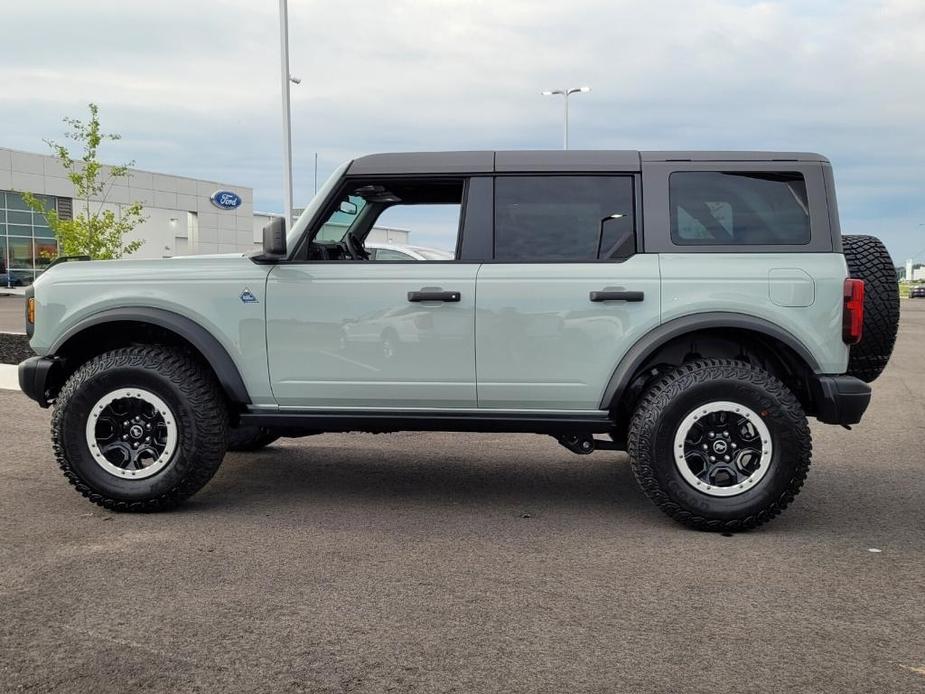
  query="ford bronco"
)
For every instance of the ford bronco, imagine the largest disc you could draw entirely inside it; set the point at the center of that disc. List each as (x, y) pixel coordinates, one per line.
(689, 308)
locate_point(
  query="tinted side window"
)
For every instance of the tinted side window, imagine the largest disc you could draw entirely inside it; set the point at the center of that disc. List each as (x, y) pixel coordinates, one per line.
(568, 218)
(716, 208)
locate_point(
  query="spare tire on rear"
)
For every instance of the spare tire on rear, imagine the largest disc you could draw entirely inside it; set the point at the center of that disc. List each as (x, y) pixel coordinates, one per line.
(869, 260)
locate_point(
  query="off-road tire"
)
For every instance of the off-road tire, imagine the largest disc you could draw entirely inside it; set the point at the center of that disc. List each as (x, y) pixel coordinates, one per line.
(248, 439)
(673, 397)
(187, 387)
(869, 260)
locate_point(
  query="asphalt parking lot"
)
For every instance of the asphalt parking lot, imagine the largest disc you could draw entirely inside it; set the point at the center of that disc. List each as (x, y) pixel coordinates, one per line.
(469, 563)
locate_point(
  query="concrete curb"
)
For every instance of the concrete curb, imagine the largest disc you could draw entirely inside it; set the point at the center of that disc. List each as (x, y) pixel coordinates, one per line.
(9, 377)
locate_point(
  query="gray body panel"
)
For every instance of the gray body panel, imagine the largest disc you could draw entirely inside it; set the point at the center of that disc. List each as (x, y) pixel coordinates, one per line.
(542, 343)
(345, 335)
(206, 290)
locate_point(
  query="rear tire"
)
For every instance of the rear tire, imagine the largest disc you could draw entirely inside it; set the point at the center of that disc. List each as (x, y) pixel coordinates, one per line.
(140, 428)
(869, 260)
(683, 420)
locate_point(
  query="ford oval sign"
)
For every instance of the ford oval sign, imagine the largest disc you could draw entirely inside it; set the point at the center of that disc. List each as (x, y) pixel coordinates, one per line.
(226, 200)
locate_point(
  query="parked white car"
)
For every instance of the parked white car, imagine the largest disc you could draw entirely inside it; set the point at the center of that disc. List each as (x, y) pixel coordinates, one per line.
(399, 251)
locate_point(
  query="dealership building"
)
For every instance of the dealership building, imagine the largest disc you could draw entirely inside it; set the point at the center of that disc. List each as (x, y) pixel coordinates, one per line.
(184, 216)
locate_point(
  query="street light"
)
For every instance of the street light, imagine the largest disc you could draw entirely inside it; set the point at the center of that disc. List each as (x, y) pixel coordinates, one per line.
(287, 128)
(566, 93)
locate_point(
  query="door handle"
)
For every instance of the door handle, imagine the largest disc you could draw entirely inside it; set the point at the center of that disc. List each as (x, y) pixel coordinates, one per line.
(433, 296)
(617, 296)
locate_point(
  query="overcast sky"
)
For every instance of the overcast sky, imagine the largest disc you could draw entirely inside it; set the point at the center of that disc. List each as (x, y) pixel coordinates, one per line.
(193, 85)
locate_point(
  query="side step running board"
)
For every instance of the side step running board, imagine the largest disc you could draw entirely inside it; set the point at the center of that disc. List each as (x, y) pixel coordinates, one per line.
(295, 423)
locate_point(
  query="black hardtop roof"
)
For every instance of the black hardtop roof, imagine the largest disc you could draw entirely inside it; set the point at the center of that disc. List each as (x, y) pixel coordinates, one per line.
(577, 160)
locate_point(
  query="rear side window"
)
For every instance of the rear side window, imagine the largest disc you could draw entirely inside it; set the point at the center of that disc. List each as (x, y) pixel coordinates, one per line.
(565, 218)
(723, 209)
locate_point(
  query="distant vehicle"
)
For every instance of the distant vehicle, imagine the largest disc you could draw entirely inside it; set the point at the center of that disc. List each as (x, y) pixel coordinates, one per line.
(398, 251)
(917, 292)
(15, 279)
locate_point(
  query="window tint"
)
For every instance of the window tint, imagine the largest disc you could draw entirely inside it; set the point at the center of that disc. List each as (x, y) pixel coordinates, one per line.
(563, 218)
(715, 208)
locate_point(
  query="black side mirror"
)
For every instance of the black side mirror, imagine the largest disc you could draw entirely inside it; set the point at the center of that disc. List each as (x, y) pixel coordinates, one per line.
(274, 238)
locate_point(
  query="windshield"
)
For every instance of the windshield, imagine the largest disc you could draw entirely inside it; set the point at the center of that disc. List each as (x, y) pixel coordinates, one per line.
(340, 221)
(312, 208)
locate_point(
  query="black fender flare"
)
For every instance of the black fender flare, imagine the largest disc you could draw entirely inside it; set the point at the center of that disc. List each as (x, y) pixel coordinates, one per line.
(221, 362)
(647, 345)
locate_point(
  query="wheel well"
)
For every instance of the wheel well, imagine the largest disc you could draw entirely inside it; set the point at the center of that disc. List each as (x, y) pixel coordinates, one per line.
(741, 344)
(103, 337)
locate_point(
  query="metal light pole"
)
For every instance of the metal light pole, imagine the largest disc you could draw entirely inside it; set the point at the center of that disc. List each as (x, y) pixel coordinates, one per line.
(287, 128)
(566, 93)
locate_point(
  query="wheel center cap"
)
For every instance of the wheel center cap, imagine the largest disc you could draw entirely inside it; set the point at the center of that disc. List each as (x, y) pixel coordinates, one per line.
(136, 431)
(720, 446)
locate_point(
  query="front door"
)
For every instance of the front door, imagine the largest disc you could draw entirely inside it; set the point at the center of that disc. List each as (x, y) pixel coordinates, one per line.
(347, 331)
(566, 296)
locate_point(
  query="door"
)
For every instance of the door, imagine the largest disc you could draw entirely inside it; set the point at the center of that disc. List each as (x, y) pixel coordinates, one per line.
(566, 295)
(344, 331)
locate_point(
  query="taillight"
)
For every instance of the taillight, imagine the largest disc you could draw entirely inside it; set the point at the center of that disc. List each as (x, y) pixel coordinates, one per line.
(853, 312)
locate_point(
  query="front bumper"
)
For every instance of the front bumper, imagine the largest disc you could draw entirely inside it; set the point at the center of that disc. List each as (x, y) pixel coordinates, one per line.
(39, 377)
(840, 399)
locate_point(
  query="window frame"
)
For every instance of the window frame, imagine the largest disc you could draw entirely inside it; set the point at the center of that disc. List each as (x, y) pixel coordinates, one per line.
(657, 209)
(334, 198)
(475, 241)
(25, 232)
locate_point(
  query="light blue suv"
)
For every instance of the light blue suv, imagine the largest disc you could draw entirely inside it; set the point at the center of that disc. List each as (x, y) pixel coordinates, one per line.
(690, 308)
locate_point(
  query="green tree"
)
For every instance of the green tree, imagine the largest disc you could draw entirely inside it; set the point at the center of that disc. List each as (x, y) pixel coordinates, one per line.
(93, 231)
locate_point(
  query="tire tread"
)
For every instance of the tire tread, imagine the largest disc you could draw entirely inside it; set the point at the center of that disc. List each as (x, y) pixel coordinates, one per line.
(869, 260)
(674, 383)
(197, 385)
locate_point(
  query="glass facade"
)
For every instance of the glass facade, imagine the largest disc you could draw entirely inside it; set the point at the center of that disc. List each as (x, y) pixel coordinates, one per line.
(27, 244)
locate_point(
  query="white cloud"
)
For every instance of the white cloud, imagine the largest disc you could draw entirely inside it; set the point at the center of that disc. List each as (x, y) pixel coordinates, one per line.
(194, 86)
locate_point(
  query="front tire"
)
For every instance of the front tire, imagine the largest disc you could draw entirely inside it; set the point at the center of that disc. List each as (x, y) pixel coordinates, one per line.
(140, 428)
(720, 445)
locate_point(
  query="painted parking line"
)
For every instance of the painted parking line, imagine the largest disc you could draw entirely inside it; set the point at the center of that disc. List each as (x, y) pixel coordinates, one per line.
(9, 377)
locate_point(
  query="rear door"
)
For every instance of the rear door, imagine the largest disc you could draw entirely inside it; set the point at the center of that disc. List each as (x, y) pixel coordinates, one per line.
(566, 293)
